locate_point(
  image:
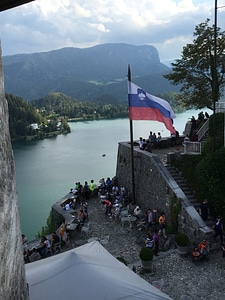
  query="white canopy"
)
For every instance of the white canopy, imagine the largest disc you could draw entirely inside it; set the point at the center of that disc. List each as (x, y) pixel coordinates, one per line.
(87, 272)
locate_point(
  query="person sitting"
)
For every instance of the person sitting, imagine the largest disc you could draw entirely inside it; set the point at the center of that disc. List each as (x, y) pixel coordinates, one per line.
(44, 246)
(55, 239)
(119, 198)
(115, 189)
(102, 184)
(116, 211)
(67, 206)
(144, 145)
(149, 243)
(140, 142)
(35, 255)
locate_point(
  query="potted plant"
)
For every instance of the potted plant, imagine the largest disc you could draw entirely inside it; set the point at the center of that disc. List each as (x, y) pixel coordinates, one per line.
(146, 256)
(182, 242)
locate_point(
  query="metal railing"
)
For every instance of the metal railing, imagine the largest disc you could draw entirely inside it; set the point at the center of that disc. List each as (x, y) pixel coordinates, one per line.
(203, 130)
(192, 147)
(220, 106)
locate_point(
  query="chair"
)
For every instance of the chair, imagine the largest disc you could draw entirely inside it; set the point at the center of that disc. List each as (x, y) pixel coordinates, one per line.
(49, 252)
(104, 241)
(57, 248)
(124, 213)
(85, 229)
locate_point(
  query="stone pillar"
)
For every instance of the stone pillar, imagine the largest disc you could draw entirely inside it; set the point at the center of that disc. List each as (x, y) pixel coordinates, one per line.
(12, 270)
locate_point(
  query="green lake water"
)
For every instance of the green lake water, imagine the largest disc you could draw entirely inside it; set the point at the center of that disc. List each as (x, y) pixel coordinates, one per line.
(47, 169)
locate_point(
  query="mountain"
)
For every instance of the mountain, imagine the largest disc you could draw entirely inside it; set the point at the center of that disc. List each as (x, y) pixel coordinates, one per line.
(86, 74)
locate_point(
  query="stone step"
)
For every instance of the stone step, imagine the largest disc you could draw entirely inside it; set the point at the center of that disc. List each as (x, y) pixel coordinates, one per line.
(177, 176)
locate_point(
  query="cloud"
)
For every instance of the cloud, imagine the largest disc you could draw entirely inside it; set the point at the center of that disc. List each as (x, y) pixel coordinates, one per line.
(47, 25)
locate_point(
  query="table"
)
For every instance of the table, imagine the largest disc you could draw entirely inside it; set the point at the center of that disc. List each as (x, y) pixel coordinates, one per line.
(92, 239)
(130, 219)
(71, 226)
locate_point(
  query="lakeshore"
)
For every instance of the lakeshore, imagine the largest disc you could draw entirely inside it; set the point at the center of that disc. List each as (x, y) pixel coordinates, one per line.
(47, 169)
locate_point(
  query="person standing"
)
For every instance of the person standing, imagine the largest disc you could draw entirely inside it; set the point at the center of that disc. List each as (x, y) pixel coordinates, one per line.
(204, 210)
(150, 219)
(92, 188)
(162, 225)
(86, 191)
(156, 242)
(218, 228)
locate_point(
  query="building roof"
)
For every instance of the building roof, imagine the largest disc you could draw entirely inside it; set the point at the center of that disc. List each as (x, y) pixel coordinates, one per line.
(7, 4)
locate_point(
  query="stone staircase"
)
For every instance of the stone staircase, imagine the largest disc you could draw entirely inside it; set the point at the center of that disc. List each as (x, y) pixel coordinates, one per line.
(177, 176)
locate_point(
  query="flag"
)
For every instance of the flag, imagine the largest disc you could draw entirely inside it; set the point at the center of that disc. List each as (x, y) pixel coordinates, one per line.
(143, 106)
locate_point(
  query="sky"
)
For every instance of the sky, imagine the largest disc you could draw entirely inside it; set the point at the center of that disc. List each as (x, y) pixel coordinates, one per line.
(45, 25)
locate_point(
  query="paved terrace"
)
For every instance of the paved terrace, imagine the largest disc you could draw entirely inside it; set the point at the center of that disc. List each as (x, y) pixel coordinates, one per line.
(180, 276)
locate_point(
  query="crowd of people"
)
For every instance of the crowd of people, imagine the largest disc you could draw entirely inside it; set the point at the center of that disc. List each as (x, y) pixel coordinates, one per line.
(114, 200)
(45, 248)
(154, 226)
(153, 142)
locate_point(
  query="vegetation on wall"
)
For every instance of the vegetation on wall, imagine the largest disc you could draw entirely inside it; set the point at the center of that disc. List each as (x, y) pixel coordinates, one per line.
(205, 173)
(174, 210)
(48, 228)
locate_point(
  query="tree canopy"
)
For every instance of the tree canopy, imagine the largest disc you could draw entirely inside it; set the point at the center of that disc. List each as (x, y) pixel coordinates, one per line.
(201, 83)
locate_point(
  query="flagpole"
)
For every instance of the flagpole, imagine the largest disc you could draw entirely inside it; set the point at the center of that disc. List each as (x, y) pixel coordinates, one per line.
(131, 145)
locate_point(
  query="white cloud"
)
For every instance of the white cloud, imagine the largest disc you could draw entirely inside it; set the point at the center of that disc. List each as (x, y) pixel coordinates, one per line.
(46, 25)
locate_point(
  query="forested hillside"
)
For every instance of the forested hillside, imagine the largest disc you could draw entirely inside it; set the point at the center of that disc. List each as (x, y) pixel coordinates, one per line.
(60, 104)
(87, 74)
(21, 115)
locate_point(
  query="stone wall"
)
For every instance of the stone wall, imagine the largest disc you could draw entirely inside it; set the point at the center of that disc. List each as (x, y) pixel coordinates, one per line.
(155, 188)
(12, 271)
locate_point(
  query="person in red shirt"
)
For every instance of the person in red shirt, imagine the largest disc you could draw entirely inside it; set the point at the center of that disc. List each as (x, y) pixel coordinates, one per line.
(162, 225)
(108, 205)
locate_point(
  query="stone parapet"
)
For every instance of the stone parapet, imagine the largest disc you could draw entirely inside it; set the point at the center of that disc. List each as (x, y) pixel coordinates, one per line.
(155, 188)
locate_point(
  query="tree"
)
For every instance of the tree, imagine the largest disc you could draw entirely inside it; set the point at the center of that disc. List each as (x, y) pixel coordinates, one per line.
(195, 70)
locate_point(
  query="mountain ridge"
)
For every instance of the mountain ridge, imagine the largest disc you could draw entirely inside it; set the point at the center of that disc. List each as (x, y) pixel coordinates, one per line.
(87, 73)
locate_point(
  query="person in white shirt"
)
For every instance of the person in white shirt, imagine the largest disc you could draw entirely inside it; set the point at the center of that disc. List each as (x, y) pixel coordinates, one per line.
(137, 212)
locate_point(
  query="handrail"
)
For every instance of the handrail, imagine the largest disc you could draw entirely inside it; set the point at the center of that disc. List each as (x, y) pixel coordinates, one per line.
(192, 147)
(203, 130)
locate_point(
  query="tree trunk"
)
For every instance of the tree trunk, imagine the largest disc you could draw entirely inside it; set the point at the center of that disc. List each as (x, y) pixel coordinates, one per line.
(12, 271)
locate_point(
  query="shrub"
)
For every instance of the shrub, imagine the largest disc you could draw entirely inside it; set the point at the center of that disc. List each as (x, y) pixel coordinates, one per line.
(182, 240)
(146, 254)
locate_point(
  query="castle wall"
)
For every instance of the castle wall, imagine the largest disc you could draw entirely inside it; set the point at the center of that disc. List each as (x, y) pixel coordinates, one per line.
(12, 271)
(156, 188)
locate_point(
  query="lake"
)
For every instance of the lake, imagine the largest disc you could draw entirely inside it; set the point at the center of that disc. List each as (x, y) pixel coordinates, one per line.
(47, 169)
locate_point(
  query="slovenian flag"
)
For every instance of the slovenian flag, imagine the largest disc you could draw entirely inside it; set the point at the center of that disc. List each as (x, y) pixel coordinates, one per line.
(143, 106)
